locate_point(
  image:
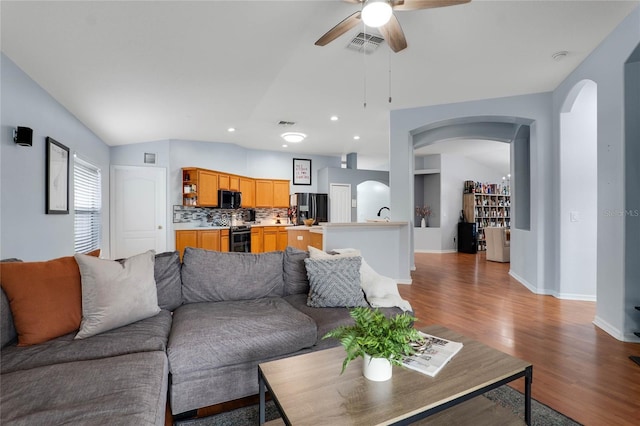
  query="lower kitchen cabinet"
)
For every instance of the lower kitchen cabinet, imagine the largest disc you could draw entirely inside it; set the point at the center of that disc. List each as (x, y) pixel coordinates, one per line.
(282, 238)
(315, 239)
(224, 240)
(209, 240)
(257, 239)
(270, 239)
(186, 239)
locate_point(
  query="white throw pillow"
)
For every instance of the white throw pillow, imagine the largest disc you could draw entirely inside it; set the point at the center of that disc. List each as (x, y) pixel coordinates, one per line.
(116, 293)
(315, 253)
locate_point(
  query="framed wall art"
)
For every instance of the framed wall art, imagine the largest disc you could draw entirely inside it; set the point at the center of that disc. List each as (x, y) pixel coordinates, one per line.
(57, 178)
(301, 171)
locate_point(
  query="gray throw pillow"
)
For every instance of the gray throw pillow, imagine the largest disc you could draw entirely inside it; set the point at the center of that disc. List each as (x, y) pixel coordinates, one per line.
(8, 331)
(115, 294)
(214, 276)
(334, 282)
(295, 272)
(168, 280)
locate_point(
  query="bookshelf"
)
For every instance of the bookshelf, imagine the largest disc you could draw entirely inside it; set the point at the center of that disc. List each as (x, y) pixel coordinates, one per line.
(486, 205)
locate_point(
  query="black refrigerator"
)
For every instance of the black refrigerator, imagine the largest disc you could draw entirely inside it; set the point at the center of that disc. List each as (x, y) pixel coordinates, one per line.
(308, 205)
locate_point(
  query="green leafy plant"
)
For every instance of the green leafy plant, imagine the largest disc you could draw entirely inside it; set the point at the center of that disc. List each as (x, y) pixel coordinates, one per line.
(376, 335)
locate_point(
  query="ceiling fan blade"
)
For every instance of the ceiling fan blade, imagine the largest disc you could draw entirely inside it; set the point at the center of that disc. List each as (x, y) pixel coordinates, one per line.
(344, 26)
(426, 4)
(392, 32)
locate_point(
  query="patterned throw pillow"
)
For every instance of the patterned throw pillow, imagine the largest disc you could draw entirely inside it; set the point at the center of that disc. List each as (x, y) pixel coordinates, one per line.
(334, 282)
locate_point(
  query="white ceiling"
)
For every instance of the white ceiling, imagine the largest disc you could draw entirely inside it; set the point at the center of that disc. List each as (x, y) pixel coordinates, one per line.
(153, 70)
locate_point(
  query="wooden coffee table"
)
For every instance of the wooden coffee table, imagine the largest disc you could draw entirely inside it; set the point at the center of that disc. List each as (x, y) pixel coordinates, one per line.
(309, 390)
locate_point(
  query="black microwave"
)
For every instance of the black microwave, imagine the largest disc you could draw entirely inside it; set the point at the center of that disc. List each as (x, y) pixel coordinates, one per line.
(229, 199)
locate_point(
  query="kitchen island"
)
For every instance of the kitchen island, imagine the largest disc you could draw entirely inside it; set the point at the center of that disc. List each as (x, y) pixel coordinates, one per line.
(384, 245)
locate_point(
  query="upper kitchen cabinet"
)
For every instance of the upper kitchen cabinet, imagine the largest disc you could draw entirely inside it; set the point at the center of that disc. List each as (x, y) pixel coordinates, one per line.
(264, 193)
(272, 193)
(228, 182)
(248, 189)
(281, 193)
(199, 187)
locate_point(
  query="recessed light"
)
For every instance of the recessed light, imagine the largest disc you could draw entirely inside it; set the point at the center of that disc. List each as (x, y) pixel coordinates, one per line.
(284, 145)
(231, 129)
(356, 137)
(334, 118)
(293, 137)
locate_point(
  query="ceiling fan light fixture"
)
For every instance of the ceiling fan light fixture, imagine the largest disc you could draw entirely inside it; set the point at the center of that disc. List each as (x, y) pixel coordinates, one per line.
(293, 137)
(376, 13)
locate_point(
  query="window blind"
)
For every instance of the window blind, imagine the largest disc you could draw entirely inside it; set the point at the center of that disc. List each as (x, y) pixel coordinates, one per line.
(87, 206)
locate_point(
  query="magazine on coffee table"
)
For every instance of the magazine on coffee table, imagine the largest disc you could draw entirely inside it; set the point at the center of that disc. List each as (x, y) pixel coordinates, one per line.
(432, 355)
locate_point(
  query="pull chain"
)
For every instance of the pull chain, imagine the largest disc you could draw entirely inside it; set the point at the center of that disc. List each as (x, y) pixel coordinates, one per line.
(389, 53)
(364, 62)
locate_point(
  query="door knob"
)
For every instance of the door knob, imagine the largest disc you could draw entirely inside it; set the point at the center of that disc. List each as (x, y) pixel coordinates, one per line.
(159, 226)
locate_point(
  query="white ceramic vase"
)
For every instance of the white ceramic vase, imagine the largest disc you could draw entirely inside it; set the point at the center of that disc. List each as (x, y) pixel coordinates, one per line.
(376, 369)
(423, 223)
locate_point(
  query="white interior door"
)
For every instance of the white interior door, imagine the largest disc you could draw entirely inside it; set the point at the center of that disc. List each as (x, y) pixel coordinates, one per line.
(138, 210)
(340, 202)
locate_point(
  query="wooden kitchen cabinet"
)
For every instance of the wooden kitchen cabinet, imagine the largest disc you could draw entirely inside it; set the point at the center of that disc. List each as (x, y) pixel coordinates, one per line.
(210, 239)
(281, 193)
(282, 238)
(223, 181)
(264, 193)
(248, 190)
(224, 240)
(200, 187)
(270, 239)
(186, 239)
(257, 240)
(234, 183)
(315, 240)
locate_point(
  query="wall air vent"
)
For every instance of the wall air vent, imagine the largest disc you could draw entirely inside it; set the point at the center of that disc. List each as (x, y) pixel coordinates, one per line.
(366, 43)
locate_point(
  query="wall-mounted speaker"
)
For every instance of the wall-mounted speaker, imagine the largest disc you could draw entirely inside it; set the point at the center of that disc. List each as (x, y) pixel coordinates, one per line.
(23, 136)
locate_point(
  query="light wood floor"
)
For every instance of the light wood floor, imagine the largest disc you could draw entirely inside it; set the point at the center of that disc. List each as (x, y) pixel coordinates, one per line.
(578, 370)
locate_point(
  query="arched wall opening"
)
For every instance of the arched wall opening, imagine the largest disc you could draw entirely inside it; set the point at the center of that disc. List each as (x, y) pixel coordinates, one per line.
(512, 130)
(579, 193)
(372, 196)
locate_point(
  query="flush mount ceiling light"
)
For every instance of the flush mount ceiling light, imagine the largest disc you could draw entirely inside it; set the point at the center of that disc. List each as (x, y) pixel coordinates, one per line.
(376, 13)
(231, 129)
(356, 137)
(293, 137)
(334, 118)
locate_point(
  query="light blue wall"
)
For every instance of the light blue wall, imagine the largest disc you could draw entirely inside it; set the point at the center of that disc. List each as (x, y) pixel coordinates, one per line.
(532, 251)
(606, 67)
(26, 231)
(535, 253)
(175, 154)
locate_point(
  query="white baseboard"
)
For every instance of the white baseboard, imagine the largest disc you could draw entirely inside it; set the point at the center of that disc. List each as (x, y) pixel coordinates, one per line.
(608, 328)
(406, 282)
(436, 251)
(550, 292)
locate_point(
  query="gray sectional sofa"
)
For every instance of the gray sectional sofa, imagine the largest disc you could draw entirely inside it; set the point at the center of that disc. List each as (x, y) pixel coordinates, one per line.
(221, 314)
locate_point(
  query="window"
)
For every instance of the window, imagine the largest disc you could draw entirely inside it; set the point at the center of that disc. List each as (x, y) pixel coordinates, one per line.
(88, 205)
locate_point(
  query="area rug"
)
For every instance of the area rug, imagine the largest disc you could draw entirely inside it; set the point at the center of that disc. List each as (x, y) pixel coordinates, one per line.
(507, 397)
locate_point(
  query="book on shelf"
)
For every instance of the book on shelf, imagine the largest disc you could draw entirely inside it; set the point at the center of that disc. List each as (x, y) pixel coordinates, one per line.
(432, 356)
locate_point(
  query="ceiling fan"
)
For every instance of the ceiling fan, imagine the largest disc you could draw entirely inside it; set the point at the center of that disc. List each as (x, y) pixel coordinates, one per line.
(379, 14)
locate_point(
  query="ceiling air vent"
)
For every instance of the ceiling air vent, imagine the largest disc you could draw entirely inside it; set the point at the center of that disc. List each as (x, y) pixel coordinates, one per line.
(286, 123)
(366, 43)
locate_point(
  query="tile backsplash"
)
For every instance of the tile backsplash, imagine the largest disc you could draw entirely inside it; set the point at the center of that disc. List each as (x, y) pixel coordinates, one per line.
(222, 217)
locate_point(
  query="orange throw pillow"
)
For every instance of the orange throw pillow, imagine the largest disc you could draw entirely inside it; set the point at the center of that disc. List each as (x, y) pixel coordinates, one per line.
(45, 298)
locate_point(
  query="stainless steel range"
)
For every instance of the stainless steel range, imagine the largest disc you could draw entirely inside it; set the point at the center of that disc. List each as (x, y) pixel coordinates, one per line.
(240, 239)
